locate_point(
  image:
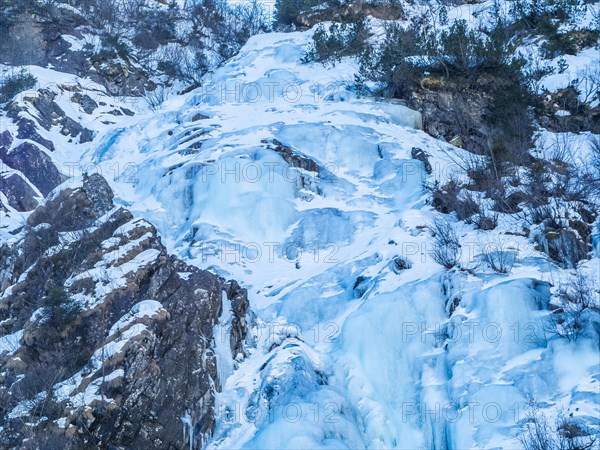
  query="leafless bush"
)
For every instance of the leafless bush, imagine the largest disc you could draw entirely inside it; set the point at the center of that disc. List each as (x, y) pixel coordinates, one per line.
(444, 196)
(498, 257)
(470, 209)
(549, 215)
(254, 17)
(192, 67)
(590, 82)
(538, 434)
(577, 300)
(467, 205)
(106, 15)
(567, 177)
(485, 221)
(446, 246)
(156, 97)
(452, 197)
(134, 9)
(555, 172)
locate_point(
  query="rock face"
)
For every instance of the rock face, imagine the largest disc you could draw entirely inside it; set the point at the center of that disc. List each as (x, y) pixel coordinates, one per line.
(28, 159)
(23, 169)
(50, 114)
(105, 339)
(420, 155)
(38, 36)
(293, 158)
(87, 103)
(27, 130)
(19, 194)
(27, 169)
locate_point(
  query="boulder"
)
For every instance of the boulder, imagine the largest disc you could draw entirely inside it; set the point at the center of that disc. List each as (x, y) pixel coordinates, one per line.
(421, 155)
(87, 103)
(28, 130)
(49, 112)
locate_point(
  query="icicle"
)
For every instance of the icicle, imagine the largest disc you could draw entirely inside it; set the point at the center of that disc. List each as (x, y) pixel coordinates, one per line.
(222, 336)
(186, 421)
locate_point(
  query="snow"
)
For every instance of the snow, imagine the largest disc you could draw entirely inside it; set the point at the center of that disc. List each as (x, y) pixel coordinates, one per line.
(62, 422)
(370, 354)
(581, 69)
(239, 192)
(501, 324)
(93, 392)
(574, 364)
(384, 347)
(10, 343)
(145, 308)
(348, 351)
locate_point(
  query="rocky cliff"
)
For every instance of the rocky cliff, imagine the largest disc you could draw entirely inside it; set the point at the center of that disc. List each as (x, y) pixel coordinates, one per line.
(107, 340)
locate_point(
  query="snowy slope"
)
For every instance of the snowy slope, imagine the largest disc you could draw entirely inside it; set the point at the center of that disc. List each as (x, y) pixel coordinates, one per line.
(275, 174)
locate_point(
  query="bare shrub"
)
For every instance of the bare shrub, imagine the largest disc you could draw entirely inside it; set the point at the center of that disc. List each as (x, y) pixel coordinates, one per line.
(595, 165)
(485, 221)
(446, 246)
(549, 215)
(498, 257)
(156, 97)
(470, 209)
(454, 197)
(565, 434)
(253, 16)
(106, 16)
(577, 300)
(467, 205)
(590, 82)
(444, 196)
(538, 434)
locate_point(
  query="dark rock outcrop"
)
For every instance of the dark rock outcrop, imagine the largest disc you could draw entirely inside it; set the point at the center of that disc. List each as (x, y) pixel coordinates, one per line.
(87, 103)
(239, 307)
(34, 35)
(566, 246)
(34, 167)
(18, 192)
(420, 155)
(6, 140)
(33, 163)
(111, 336)
(27, 130)
(294, 158)
(50, 114)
